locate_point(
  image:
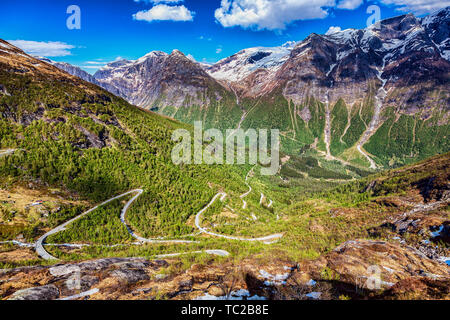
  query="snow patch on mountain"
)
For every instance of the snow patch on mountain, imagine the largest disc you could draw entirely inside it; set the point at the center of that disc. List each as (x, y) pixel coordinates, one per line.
(436, 17)
(343, 36)
(416, 38)
(243, 63)
(4, 45)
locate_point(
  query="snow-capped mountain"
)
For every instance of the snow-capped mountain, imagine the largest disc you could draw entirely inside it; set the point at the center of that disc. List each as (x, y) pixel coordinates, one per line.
(342, 88)
(437, 27)
(128, 76)
(397, 53)
(343, 63)
(159, 79)
(168, 78)
(242, 64)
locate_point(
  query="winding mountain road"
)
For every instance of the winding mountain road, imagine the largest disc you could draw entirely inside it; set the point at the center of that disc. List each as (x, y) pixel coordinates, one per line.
(244, 203)
(39, 243)
(133, 234)
(267, 239)
(6, 152)
(40, 250)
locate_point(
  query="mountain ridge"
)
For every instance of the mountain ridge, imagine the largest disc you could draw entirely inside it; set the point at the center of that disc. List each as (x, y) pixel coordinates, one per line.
(346, 90)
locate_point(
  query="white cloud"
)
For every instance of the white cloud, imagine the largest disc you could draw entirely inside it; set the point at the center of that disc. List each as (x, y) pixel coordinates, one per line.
(159, 1)
(163, 12)
(203, 38)
(332, 30)
(44, 49)
(349, 4)
(95, 62)
(418, 6)
(270, 14)
(219, 50)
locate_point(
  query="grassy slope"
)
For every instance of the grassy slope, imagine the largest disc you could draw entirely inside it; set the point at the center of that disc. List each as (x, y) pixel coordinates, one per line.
(314, 223)
(397, 142)
(50, 120)
(408, 138)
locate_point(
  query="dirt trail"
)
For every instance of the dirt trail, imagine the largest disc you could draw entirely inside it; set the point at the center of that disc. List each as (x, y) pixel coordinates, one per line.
(244, 203)
(6, 152)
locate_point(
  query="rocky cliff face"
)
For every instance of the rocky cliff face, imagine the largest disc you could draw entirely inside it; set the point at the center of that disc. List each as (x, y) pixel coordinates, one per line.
(158, 80)
(399, 54)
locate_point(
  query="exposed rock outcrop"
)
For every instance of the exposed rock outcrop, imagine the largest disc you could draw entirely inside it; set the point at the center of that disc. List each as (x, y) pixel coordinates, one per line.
(48, 292)
(361, 269)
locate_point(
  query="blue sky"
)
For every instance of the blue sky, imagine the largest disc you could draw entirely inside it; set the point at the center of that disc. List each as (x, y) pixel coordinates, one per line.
(209, 30)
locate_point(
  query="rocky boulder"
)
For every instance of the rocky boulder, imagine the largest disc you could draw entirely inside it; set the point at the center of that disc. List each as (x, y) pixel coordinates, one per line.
(48, 292)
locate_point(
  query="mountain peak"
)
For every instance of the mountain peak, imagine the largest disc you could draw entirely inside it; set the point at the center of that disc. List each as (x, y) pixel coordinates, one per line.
(150, 55)
(439, 15)
(289, 44)
(177, 52)
(116, 64)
